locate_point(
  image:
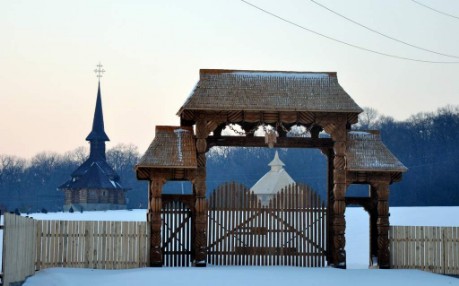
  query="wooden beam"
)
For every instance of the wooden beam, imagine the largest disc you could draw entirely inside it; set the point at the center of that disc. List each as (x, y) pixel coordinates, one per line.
(282, 142)
(365, 202)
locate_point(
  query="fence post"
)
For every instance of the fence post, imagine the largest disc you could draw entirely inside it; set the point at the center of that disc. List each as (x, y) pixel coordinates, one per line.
(443, 250)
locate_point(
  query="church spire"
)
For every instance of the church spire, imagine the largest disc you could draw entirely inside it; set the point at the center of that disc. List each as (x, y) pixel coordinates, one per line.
(98, 132)
(276, 164)
(97, 137)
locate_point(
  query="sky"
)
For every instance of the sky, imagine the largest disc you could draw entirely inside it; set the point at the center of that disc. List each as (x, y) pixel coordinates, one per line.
(152, 52)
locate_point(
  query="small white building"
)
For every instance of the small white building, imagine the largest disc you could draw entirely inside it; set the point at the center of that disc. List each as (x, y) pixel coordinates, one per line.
(272, 182)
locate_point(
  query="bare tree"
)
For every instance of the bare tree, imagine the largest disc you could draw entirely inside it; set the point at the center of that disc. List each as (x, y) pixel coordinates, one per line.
(77, 155)
(368, 119)
(122, 157)
(11, 167)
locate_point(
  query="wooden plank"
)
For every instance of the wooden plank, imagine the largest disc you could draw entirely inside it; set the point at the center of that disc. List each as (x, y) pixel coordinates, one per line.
(416, 245)
(449, 253)
(234, 191)
(116, 247)
(454, 241)
(103, 245)
(240, 211)
(421, 240)
(130, 243)
(38, 259)
(225, 220)
(18, 244)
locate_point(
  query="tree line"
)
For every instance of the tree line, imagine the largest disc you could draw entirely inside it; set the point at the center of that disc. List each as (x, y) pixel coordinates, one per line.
(426, 143)
(31, 185)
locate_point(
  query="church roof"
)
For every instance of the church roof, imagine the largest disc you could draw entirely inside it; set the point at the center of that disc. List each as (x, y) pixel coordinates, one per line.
(242, 90)
(273, 181)
(83, 168)
(98, 133)
(94, 178)
(172, 147)
(367, 153)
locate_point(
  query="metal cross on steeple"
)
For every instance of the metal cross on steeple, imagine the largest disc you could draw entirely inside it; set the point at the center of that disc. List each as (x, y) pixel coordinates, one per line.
(99, 71)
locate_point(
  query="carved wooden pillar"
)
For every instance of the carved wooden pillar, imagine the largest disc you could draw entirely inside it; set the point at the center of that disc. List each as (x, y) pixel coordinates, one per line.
(373, 222)
(330, 157)
(200, 217)
(339, 136)
(154, 219)
(382, 223)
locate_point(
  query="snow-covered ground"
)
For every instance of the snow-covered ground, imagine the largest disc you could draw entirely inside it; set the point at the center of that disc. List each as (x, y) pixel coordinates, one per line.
(237, 276)
(357, 248)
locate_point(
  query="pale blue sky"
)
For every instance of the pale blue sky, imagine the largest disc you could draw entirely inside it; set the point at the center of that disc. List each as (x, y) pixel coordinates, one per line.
(153, 50)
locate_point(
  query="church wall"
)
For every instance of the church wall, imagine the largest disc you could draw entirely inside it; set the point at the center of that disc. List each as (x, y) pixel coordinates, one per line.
(94, 199)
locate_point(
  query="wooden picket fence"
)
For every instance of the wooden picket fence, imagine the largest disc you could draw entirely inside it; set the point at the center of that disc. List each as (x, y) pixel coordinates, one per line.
(429, 248)
(18, 248)
(30, 245)
(91, 244)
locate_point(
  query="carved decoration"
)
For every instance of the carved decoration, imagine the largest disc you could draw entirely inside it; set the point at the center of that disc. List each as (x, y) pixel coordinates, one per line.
(337, 129)
(382, 223)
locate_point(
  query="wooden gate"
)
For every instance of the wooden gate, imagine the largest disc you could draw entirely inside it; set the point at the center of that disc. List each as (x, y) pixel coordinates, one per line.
(176, 230)
(289, 230)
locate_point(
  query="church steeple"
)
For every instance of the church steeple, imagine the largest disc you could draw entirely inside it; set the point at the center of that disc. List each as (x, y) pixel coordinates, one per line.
(95, 173)
(97, 137)
(98, 131)
(276, 164)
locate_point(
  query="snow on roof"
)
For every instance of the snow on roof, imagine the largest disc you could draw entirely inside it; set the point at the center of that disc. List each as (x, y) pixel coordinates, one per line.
(298, 75)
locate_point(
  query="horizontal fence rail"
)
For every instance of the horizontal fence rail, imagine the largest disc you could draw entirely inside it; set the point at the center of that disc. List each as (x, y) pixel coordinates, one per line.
(429, 248)
(92, 244)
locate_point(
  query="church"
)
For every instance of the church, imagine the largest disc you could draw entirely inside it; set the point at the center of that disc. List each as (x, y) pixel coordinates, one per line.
(272, 182)
(95, 185)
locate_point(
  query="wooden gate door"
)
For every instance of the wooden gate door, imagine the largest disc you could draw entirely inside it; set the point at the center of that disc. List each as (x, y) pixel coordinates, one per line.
(176, 229)
(289, 230)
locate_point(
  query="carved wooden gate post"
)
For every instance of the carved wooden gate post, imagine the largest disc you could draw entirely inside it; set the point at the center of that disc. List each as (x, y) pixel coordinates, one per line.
(339, 135)
(329, 153)
(200, 221)
(382, 224)
(373, 222)
(154, 218)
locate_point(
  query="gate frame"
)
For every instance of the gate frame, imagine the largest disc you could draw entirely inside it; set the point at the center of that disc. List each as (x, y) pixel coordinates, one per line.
(236, 213)
(314, 101)
(188, 201)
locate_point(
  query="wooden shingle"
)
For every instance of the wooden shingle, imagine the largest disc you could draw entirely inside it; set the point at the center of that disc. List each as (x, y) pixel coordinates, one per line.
(367, 153)
(173, 147)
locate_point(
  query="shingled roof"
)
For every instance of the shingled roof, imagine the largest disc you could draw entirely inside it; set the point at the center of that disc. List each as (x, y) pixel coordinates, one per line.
(95, 177)
(367, 153)
(173, 147)
(231, 90)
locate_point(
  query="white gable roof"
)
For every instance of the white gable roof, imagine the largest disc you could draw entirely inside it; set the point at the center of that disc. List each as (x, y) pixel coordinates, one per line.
(273, 181)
